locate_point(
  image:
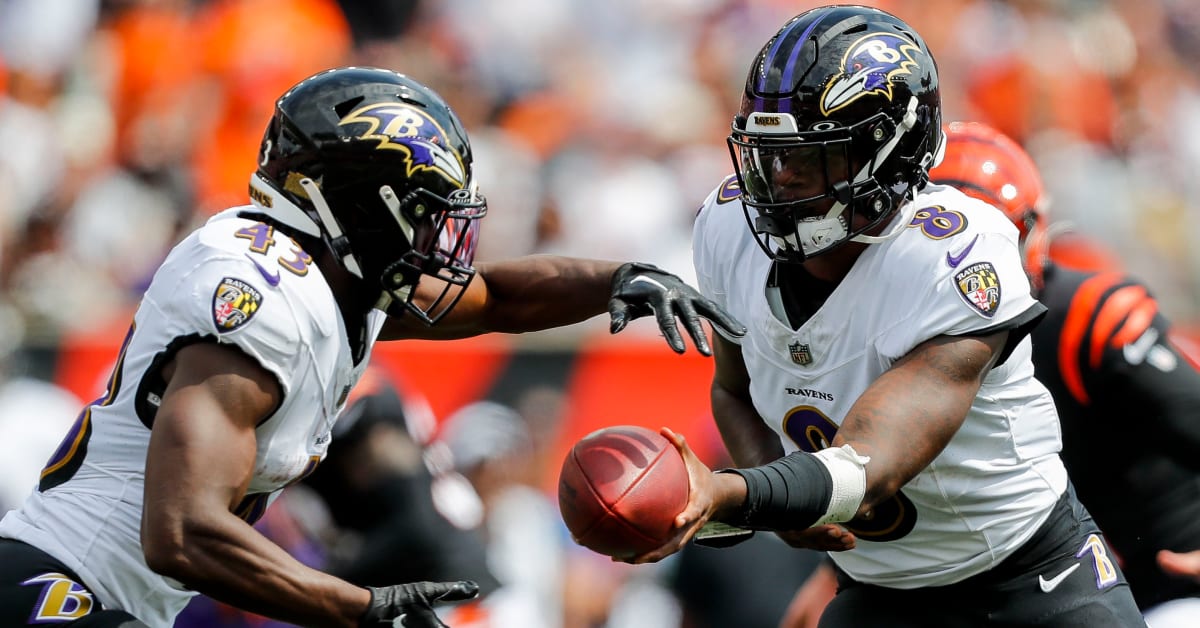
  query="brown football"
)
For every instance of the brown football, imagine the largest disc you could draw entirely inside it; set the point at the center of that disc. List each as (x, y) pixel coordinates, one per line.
(620, 489)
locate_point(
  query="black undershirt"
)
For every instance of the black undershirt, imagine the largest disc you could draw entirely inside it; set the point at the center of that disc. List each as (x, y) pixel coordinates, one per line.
(801, 293)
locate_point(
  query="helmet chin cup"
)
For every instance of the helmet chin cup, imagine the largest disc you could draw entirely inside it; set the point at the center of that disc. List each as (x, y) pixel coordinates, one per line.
(816, 235)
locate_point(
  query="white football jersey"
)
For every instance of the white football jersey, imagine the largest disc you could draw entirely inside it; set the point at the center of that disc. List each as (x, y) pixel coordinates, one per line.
(955, 270)
(238, 282)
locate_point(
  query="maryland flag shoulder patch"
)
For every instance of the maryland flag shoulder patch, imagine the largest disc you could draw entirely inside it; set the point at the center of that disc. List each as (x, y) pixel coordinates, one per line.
(234, 304)
(979, 285)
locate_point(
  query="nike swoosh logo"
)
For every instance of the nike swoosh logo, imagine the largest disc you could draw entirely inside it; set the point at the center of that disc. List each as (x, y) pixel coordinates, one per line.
(272, 278)
(1051, 584)
(955, 260)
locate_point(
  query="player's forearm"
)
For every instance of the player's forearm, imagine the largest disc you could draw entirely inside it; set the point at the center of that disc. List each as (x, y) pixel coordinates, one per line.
(906, 417)
(228, 560)
(542, 291)
(747, 438)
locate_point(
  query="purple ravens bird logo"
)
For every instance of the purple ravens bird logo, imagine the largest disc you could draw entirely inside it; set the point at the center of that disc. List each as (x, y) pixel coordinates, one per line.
(406, 128)
(868, 67)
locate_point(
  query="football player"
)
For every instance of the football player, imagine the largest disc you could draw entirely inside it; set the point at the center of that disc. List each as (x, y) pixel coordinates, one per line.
(885, 383)
(363, 222)
(1127, 397)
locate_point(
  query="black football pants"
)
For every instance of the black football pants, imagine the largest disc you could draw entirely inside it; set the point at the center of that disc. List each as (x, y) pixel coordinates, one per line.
(36, 589)
(1065, 576)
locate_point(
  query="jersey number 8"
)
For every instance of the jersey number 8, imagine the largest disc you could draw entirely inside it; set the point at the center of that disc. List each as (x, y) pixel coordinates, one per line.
(812, 431)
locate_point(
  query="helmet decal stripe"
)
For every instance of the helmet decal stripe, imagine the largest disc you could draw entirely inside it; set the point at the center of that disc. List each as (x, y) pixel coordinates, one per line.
(796, 45)
(790, 69)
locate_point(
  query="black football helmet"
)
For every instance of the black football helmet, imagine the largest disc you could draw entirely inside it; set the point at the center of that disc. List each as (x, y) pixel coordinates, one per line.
(839, 123)
(377, 166)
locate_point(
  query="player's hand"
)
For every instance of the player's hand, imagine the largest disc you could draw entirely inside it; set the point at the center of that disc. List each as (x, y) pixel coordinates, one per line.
(412, 604)
(1180, 563)
(642, 289)
(830, 537)
(702, 502)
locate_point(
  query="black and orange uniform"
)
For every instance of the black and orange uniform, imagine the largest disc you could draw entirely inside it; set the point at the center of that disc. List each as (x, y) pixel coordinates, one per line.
(1129, 402)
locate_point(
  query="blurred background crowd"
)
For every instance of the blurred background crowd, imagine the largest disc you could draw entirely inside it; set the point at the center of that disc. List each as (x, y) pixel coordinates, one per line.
(599, 127)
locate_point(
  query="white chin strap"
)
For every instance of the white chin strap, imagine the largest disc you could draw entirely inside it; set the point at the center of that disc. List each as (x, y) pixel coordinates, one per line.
(267, 200)
(331, 225)
(908, 209)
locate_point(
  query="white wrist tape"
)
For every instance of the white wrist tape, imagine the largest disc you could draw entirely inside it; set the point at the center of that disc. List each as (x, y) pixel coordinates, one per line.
(849, 473)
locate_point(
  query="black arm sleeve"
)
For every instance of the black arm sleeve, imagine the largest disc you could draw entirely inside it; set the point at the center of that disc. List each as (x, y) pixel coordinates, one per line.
(790, 493)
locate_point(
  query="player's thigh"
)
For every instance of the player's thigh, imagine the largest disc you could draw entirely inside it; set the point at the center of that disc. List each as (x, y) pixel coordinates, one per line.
(35, 589)
(1067, 576)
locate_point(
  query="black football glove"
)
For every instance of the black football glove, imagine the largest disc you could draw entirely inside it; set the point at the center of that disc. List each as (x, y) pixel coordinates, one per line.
(413, 603)
(642, 289)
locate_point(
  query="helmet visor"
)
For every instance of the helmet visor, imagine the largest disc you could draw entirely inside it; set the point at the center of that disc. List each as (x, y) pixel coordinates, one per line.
(779, 174)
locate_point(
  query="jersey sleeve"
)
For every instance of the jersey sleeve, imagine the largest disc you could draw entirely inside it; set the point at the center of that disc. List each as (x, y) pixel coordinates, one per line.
(227, 300)
(712, 246)
(973, 286)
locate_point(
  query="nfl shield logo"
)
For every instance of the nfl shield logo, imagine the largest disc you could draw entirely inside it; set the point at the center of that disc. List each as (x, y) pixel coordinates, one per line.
(800, 353)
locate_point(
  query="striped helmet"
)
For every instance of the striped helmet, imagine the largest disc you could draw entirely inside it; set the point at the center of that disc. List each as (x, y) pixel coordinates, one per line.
(839, 124)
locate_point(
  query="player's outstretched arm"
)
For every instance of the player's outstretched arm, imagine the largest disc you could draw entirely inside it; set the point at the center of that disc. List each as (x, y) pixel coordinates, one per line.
(543, 291)
(199, 463)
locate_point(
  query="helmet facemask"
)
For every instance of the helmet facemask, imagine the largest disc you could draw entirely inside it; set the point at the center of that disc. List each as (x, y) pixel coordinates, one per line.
(443, 243)
(440, 234)
(806, 193)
